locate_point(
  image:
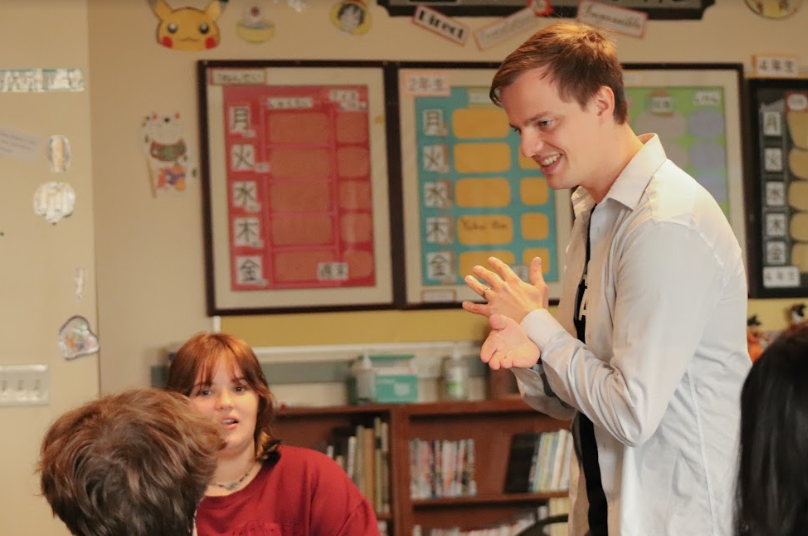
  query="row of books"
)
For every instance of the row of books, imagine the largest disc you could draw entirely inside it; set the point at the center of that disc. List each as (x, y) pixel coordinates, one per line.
(442, 468)
(364, 453)
(513, 526)
(539, 462)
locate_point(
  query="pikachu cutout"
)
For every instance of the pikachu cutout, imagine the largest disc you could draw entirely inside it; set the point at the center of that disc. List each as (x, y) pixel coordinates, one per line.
(188, 28)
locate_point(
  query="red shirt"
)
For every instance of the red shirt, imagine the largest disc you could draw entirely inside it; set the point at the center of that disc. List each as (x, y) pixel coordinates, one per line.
(304, 494)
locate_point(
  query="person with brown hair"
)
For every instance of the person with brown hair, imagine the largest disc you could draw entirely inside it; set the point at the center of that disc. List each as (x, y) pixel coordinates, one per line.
(130, 464)
(260, 486)
(647, 351)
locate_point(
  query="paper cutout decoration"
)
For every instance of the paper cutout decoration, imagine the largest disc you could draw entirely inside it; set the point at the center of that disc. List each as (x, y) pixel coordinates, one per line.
(167, 155)
(59, 153)
(76, 338)
(41, 80)
(253, 27)
(351, 16)
(188, 28)
(774, 9)
(20, 145)
(54, 201)
(81, 281)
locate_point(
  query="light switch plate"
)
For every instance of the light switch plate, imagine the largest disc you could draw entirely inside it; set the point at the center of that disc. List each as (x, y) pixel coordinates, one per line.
(24, 385)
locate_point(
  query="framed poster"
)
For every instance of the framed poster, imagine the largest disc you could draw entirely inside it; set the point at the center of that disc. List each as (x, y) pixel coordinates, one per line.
(779, 187)
(696, 111)
(294, 167)
(467, 192)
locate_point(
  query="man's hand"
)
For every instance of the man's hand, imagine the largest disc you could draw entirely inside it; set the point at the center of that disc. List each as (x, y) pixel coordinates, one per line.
(506, 293)
(508, 346)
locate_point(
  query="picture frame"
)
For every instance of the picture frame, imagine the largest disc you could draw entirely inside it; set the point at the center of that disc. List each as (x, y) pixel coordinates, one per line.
(697, 109)
(296, 201)
(467, 193)
(779, 187)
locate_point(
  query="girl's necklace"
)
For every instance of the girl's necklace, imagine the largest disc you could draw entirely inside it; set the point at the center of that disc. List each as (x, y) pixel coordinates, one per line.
(230, 486)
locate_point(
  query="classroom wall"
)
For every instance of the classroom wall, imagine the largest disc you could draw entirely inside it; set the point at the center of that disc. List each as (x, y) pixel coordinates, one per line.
(38, 261)
(150, 267)
(145, 254)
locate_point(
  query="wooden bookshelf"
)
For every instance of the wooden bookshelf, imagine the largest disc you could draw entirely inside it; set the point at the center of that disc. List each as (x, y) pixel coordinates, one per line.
(491, 423)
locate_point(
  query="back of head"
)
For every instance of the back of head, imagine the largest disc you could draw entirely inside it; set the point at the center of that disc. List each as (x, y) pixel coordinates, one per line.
(577, 57)
(772, 490)
(131, 464)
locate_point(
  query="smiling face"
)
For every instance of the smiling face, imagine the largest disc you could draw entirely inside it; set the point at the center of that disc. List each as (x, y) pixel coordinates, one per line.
(188, 28)
(230, 401)
(563, 137)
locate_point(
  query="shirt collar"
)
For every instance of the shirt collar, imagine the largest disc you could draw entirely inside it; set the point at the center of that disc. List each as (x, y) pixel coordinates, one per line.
(632, 181)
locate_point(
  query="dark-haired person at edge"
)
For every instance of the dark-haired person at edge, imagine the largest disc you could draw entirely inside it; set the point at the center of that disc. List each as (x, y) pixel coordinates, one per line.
(131, 464)
(772, 490)
(260, 487)
(647, 352)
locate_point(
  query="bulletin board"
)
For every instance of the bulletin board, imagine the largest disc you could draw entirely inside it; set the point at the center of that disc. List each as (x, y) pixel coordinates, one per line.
(294, 167)
(467, 191)
(696, 111)
(780, 187)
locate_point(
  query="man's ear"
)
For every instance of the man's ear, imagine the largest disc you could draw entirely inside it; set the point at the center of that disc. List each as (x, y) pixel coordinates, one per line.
(603, 100)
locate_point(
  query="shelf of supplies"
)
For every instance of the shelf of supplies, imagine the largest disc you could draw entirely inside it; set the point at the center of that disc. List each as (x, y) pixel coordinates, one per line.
(509, 498)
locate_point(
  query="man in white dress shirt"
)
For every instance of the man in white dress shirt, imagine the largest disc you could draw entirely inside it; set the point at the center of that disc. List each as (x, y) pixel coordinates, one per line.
(647, 352)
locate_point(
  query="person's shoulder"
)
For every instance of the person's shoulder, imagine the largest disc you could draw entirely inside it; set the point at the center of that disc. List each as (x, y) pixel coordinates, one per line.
(306, 457)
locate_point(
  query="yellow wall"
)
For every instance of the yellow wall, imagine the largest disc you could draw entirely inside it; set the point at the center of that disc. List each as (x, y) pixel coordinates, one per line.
(150, 271)
(38, 261)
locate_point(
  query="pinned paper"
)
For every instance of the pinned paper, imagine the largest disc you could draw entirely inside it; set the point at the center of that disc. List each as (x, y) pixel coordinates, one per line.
(437, 22)
(81, 280)
(618, 19)
(254, 27)
(76, 338)
(188, 28)
(351, 16)
(59, 153)
(40, 80)
(54, 201)
(488, 36)
(166, 152)
(19, 145)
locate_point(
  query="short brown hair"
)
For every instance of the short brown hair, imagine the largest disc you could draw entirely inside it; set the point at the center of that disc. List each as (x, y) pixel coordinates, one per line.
(578, 58)
(135, 463)
(200, 356)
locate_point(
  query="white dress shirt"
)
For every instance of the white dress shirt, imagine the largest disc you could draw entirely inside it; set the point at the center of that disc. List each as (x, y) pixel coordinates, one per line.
(665, 355)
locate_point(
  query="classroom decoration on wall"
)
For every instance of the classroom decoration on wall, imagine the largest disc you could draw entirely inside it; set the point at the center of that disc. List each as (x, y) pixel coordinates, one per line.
(254, 27)
(20, 145)
(81, 282)
(443, 25)
(295, 185)
(54, 201)
(498, 31)
(351, 16)
(615, 18)
(774, 9)
(41, 80)
(188, 28)
(468, 192)
(168, 160)
(656, 9)
(780, 187)
(756, 338)
(58, 153)
(695, 109)
(76, 338)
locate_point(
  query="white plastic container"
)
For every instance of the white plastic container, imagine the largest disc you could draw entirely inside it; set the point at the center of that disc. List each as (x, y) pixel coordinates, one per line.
(364, 377)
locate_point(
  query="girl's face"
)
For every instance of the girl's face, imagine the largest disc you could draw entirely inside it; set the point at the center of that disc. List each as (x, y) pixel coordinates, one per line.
(232, 403)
